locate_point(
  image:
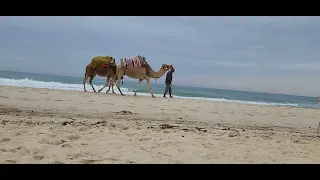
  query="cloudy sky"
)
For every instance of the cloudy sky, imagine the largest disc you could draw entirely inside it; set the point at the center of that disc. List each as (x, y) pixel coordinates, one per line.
(268, 54)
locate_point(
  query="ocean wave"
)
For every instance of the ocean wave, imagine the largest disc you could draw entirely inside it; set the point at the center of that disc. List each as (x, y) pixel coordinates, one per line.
(28, 82)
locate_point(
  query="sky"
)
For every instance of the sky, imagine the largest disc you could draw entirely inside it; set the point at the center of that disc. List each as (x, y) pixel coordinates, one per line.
(275, 54)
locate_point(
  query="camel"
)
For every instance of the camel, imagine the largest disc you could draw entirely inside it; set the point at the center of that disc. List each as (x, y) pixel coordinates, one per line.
(142, 71)
(103, 66)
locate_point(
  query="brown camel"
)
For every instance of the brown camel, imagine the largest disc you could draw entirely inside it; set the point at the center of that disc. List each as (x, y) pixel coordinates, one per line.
(103, 66)
(143, 72)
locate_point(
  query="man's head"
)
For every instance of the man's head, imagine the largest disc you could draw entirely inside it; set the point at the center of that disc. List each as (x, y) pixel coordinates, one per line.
(171, 68)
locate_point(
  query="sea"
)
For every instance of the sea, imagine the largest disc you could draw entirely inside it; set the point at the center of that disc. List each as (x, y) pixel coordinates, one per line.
(185, 92)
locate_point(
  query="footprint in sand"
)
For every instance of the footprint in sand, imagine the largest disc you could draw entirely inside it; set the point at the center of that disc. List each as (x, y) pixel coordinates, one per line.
(109, 103)
(57, 162)
(131, 162)
(14, 150)
(20, 132)
(21, 150)
(73, 137)
(34, 151)
(52, 141)
(4, 140)
(144, 139)
(82, 128)
(77, 155)
(66, 145)
(10, 161)
(87, 161)
(38, 157)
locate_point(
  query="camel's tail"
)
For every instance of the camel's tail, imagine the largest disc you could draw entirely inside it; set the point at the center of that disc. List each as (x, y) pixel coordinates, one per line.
(85, 74)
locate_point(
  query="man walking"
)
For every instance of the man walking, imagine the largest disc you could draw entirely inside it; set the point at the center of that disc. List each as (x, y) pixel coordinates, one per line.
(168, 82)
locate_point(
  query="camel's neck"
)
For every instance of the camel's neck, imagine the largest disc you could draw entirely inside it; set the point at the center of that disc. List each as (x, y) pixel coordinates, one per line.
(154, 74)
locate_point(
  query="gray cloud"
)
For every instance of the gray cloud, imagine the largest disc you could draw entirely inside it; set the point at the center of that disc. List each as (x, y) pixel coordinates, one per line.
(275, 50)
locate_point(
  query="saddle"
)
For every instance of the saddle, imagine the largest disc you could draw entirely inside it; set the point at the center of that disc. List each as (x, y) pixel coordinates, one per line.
(135, 62)
(102, 61)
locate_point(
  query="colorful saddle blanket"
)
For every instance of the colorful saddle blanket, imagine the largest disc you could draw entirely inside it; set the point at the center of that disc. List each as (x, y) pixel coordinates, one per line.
(135, 62)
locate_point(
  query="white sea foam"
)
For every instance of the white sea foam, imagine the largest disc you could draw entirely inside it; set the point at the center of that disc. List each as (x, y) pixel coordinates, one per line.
(26, 82)
(79, 87)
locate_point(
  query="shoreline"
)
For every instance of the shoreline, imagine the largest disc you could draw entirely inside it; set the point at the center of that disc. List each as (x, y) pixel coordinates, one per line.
(42, 125)
(182, 97)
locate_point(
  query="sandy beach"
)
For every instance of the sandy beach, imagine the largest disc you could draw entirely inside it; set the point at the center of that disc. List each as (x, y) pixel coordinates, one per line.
(56, 126)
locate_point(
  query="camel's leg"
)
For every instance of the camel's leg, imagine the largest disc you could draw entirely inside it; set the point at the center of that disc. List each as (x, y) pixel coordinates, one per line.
(105, 85)
(112, 88)
(150, 89)
(111, 85)
(86, 76)
(118, 85)
(108, 88)
(137, 87)
(88, 73)
(84, 82)
(90, 81)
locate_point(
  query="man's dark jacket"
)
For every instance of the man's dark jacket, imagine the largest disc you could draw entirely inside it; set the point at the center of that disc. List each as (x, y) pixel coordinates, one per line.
(169, 77)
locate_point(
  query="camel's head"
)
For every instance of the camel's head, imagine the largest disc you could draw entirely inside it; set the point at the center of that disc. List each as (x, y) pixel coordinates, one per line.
(113, 61)
(165, 67)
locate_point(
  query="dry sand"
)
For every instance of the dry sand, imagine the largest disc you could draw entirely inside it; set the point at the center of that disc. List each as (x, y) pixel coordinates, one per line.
(55, 126)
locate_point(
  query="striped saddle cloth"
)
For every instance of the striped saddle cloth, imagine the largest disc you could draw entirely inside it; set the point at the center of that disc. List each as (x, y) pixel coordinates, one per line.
(135, 62)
